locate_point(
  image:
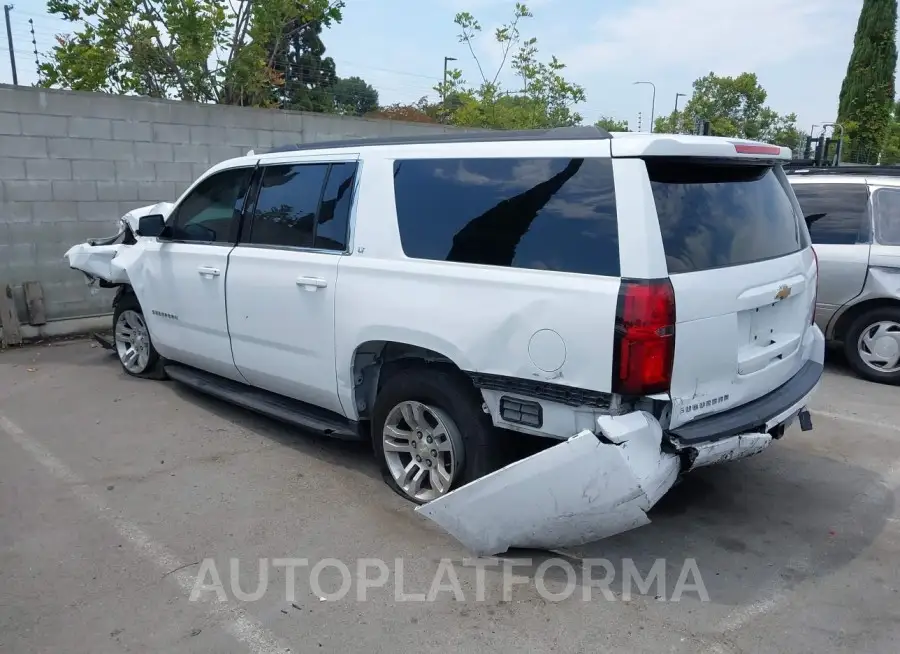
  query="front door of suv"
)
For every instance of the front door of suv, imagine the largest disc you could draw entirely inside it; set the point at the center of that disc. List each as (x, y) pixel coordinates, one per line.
(183, 288)
(282, 278)
(840, 231)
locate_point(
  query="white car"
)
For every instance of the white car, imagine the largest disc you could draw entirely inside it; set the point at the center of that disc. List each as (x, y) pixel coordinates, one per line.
(643, 302)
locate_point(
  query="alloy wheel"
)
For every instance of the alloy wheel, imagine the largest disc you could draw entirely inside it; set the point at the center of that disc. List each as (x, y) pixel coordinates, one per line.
(423, 449)
(132, 341)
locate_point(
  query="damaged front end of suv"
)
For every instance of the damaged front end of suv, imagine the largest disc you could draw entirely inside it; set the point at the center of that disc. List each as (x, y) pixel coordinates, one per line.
(104, 261)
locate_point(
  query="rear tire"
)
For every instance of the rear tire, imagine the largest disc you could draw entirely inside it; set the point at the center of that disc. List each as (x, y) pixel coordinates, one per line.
(132, 341)
(433, 413)
(872, 345)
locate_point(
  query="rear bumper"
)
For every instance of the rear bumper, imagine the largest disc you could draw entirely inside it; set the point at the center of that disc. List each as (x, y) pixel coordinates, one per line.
(603, 482)
(758, 416)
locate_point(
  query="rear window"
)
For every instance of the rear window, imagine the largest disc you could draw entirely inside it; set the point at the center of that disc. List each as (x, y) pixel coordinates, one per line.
(837, 214)
(545, 214)
(887, 216)
(714, 214)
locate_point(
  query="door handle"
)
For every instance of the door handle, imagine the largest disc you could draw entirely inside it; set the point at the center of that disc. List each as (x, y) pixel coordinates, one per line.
(208, 271)
(311, 283)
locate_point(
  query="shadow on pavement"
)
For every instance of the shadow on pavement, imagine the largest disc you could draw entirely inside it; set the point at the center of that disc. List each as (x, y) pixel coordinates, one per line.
(345, 454)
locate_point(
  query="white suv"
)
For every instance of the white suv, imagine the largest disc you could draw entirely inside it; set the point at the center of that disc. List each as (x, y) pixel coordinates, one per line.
(643, 301)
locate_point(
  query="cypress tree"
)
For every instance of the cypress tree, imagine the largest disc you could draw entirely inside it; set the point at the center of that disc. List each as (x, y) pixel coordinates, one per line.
(867, 93)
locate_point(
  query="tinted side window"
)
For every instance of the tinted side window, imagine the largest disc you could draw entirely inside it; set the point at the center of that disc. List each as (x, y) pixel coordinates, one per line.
(211, 212)
(714, 215)
(836, 213)
(887, 216)
(287, 204)
(546, 214)
(334, 214)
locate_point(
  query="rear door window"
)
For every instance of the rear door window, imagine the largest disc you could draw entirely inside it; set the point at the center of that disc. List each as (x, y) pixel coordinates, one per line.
(545, 214)
(715, 214)
(887, 216)
(334, 210)
(837, 214)
(287, 204)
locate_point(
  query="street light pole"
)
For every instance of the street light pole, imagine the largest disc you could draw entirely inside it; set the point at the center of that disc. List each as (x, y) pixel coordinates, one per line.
(444, 89)
(653, 106)
(679, 121)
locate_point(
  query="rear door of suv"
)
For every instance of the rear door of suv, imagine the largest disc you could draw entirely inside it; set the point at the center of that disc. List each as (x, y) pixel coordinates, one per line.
(282, 276)
(738, 257)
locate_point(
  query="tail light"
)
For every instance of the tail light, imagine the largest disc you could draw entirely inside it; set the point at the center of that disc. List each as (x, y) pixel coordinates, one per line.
(645, 337)
(812, 310)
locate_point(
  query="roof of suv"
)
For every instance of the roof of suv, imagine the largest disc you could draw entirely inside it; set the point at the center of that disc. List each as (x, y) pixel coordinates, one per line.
(621, 144)
(480, 136)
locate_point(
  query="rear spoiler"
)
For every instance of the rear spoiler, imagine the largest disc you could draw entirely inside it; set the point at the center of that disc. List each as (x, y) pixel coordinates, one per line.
(686, 145)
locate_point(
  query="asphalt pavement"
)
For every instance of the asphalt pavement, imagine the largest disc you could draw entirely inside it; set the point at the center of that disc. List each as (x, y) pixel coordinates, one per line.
(140, 516)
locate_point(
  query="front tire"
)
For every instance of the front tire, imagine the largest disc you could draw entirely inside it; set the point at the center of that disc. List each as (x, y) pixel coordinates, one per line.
(430, 433)
(872, 345)
(131, 337)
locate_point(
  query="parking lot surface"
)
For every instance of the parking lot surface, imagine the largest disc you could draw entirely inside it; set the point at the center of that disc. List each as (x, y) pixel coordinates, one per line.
(116, 493)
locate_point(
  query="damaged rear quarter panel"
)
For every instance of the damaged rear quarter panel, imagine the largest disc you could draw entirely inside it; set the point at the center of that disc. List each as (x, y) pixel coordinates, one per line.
(481, 317)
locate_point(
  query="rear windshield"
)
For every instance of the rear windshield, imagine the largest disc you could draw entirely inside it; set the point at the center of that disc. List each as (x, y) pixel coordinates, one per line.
(539, 213)
(715, 214)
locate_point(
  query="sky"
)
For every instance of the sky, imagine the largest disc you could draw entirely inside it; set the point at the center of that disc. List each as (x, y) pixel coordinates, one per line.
(799, 49)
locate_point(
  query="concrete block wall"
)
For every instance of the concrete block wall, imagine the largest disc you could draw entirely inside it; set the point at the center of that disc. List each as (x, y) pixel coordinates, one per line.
(72, 163)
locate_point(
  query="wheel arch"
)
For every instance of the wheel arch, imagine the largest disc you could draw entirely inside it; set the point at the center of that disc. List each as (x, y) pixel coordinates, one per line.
(843, 322)
(373, 360)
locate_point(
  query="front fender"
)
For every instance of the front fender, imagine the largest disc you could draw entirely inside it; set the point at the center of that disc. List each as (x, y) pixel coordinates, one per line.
(95, 261)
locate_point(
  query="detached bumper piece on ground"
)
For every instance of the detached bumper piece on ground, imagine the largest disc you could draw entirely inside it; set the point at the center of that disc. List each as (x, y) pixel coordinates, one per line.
(596, 485)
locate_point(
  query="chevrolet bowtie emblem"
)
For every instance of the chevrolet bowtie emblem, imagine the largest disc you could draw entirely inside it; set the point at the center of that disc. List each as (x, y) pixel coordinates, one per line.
(783, 293)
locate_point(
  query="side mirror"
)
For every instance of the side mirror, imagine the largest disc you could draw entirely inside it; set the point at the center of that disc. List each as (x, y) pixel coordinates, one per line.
(152, 225)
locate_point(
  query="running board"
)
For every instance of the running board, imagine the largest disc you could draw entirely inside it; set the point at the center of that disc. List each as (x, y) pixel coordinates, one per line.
(285, 409)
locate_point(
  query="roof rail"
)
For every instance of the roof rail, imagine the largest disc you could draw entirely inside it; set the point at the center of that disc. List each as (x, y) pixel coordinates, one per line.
(581, 133)
(872, 171)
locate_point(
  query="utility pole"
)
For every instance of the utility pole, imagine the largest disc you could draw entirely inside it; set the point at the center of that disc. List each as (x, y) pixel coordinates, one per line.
(653, 106)
(12, 52)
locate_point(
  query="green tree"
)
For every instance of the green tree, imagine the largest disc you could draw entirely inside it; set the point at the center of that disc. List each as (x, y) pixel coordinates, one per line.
(890, 155)
(200, 50)
(309, 77)
(867, 93)
(734, 106)
(353, 96)
(612, 125)
(546, 99)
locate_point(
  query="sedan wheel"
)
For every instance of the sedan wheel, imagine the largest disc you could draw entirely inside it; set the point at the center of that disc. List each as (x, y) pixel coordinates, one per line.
(423, 450)
(879, 346)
